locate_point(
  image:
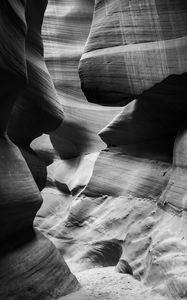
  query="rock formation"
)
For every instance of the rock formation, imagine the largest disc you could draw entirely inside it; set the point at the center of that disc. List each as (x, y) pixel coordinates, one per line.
(137, 192)
(132, 45)
(30, 265)
(124, 267)
(123, 206)
(65, 30)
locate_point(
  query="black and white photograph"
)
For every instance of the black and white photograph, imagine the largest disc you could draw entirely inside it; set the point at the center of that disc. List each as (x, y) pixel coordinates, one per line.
(93, 149)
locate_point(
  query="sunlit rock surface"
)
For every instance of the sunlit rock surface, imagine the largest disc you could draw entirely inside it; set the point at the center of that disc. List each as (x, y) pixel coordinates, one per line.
(65, 31)
(133, 208)
(120, 206)
(30, 265)
(114, 205)
(132, 45)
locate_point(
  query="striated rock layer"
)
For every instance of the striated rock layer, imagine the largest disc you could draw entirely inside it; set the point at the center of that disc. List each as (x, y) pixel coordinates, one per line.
(65, 30)
(30, 265)
(32, 268)
(132, 46)
(154, 126)
(133, 211)
(117, 219)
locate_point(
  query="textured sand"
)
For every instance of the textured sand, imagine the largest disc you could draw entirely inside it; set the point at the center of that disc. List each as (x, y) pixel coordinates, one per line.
(106, 284)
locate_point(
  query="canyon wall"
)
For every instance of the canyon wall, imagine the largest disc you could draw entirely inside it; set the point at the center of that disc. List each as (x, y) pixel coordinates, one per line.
(112, 179)
(133, 208)
(132, 46)
(30, 265)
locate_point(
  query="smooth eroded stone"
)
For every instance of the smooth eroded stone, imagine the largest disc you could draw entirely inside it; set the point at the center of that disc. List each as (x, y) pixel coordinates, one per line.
(38, 109)
(34, 270)
(36, 166)
(132, 46)
(13, 74)
(78, 133)
(148, 126)
(30, 266)
(71, 175)
(19, 195)
(65, 30)
(11, 13)
(116, 173)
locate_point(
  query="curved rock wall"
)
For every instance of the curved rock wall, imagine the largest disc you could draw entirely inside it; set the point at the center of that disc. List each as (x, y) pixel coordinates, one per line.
(134, 207)
(30, 265)
(65, 30)
(137, 193)
(148, 127)
(132, 45)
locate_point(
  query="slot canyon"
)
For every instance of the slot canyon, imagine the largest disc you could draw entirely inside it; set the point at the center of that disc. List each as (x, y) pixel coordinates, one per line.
(93, 149)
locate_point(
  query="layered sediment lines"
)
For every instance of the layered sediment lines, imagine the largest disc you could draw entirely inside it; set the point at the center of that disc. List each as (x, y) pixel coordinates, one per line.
(154, 126)
(132, 212)
(131, 47)
(30, 265)
(117, 218)
(65, 30)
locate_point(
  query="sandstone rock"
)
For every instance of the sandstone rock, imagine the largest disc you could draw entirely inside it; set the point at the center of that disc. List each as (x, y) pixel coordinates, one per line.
(148, 126)
(13, 67)
(124, 267)
(30, 265)
(132, 46)
(104, 253)
(38, 109)
(20, 198)
(32, 268)
(106, 284)
(72, 175)
(174, 195)
(36, 166)
(65, 30)
(131, 178)
(154, 240)
(121, 174)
